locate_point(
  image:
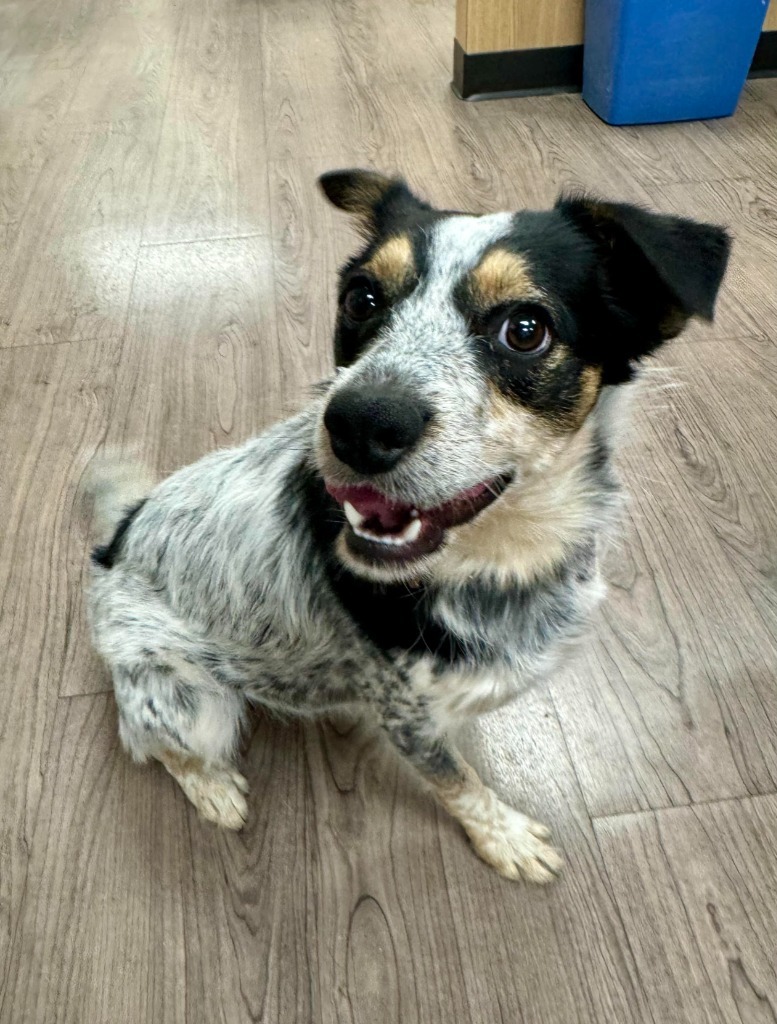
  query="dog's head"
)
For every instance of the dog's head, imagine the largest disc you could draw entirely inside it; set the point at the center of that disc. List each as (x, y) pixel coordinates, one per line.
(473, 348)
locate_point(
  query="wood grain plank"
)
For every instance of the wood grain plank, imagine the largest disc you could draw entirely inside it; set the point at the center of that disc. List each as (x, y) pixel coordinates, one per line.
(136, 39)
(310, 106)
(426, 931)
(763, 91)
(54, 52)
(101, 937)
(67, 274)
(41, 34)
(560, 144)
(210, 173)
(746, 136)
(409, 126)
(252, 913)
(579, 150)
(671, 701)
(200, 361)
(342, 101)
(32, 102)
(375, 834)
(718, 433)
(379, 45)
(412, 926)
(402, 127)
(52, 413)
(697, 888)
(159, 916)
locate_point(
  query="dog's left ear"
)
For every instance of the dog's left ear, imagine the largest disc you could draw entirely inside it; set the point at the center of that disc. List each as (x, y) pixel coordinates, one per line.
(658, 271)
(374, 199)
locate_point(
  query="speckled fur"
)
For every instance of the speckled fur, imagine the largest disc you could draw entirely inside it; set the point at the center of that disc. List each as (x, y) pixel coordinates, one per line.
(217, 600)
(228, 585)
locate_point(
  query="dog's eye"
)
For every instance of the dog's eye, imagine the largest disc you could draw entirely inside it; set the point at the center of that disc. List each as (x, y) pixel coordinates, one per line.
(361, 300)
(526, 332)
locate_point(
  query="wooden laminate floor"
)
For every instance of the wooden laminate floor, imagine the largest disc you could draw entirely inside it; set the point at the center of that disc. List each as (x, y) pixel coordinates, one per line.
(167, 283)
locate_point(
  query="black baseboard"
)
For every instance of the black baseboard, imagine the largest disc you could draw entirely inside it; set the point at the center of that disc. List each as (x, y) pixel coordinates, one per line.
(503, 73)
(765, 58)
(516, 72)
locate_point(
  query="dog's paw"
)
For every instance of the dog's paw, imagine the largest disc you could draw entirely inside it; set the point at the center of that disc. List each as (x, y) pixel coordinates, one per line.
(516, 846)
(219, 796)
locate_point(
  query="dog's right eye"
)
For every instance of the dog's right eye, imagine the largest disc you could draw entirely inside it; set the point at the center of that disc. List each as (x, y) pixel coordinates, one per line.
(361, 300)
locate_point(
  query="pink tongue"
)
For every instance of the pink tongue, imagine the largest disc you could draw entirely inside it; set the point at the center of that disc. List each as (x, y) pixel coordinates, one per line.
(373, 506)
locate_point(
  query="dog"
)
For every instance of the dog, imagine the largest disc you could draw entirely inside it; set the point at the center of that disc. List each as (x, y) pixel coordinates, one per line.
(423, 539)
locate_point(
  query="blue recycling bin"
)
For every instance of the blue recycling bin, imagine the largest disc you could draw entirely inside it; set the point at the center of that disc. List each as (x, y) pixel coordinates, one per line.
(647, 61)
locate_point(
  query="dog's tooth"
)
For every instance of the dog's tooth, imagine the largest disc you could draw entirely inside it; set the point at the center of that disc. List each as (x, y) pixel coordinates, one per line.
(410, 533)
(413, 531)
(376, 538)
(356, 519)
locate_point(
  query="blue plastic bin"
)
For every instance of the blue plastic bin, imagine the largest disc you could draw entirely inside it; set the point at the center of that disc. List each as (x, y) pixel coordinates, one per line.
(668, 60)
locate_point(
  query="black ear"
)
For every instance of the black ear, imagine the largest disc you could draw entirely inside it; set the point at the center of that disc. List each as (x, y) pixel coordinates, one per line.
(374, 199)
(657, 270)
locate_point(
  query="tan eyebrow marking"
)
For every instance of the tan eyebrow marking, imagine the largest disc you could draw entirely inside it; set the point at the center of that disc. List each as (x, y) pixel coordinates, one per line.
(500, 277)
(590, 386)
(393, 263)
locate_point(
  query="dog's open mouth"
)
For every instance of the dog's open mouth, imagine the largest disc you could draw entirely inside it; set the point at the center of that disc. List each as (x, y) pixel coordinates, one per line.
(383, 530)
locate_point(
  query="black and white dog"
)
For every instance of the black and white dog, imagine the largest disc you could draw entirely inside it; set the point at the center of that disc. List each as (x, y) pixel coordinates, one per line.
(422, 539)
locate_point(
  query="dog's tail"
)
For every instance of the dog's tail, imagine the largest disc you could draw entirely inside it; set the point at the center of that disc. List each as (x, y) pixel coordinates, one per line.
(114, 484)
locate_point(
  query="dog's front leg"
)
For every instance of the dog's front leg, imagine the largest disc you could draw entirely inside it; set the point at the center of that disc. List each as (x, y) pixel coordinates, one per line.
(504, 838)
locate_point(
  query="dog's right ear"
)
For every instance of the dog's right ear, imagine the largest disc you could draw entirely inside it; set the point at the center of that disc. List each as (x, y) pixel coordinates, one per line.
(373, 199)
(659, 270)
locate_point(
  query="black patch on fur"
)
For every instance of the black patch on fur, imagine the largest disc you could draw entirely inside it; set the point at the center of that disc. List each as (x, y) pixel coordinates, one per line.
(395, 617)
(350, 340)
(106, 555)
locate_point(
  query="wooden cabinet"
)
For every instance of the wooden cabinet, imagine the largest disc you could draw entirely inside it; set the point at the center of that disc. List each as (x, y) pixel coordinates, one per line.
(487, 26)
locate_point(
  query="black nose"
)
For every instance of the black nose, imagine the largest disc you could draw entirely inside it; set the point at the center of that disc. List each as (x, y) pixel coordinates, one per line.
(372, 428)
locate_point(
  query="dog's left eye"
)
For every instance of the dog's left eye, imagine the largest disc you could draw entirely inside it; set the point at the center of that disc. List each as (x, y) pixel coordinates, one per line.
(526, 332)
(361, 300)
